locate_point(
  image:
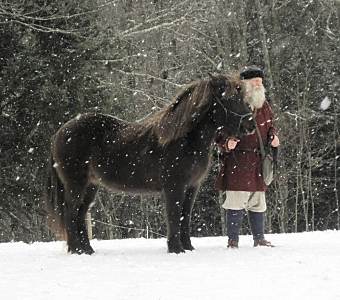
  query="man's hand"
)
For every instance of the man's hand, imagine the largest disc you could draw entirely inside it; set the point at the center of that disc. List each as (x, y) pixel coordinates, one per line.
(231, 144)
(275, 142)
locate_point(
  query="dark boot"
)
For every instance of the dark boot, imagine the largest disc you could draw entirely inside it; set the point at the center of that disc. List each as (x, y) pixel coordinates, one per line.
(256, 220)
(263, 243)
(232, 243)
(234, 222)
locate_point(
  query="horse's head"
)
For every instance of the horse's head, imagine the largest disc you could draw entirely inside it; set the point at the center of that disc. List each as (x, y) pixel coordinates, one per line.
(229, 108)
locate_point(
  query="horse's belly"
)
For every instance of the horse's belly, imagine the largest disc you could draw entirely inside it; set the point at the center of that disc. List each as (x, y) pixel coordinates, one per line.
(128, 179)
(130, 187)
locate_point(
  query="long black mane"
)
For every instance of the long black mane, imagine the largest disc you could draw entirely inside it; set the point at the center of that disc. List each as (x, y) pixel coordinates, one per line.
(183, 113)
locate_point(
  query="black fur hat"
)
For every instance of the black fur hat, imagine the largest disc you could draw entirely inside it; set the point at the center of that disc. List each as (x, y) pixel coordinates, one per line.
(249, 72)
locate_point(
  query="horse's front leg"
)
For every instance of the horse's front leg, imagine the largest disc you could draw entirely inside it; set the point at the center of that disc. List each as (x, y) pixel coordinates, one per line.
(188, 204)
(174, 197)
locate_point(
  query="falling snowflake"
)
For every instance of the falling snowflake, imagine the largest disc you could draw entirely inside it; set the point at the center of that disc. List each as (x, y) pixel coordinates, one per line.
(325, 103)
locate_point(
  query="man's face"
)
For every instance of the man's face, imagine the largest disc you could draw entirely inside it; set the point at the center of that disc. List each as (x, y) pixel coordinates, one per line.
(256, 82)
(254, 92)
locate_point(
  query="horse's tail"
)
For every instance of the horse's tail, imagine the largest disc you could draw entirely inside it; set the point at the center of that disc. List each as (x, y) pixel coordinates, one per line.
(55, 201)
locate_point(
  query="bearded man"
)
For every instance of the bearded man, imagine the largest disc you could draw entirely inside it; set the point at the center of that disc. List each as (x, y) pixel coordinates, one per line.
(240, 174)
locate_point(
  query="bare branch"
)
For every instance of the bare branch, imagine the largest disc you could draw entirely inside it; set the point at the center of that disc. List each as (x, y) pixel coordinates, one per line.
(56, 17)
(46, 29)
(148, 76)
(126, 33)
(151, 20)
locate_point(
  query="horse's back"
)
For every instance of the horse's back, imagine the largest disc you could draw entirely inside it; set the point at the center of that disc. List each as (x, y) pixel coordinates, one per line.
(94, 122)
(86, 128)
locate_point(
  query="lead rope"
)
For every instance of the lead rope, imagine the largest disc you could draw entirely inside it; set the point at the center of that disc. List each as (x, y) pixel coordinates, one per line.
(232, 112)
(263, 154)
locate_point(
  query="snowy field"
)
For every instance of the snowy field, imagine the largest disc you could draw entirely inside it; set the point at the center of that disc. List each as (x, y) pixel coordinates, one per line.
(301, 266)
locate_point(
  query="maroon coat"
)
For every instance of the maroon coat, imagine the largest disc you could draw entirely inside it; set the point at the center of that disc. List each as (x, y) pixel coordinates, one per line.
(241, 167)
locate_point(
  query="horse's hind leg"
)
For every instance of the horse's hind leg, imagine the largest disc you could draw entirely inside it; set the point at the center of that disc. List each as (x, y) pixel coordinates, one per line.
(82, 229)
(73, 201)
(188, 204)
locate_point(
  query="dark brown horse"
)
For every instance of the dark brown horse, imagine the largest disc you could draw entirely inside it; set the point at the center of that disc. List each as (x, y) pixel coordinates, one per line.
(166, 153)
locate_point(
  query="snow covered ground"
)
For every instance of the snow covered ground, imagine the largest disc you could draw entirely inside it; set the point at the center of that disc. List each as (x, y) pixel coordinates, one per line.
(302, 266)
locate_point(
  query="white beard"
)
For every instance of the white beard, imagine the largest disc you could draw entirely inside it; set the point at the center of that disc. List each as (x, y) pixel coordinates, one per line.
(255, 96)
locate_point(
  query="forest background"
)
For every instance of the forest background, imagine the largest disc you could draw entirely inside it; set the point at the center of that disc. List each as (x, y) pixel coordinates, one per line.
(128, 58)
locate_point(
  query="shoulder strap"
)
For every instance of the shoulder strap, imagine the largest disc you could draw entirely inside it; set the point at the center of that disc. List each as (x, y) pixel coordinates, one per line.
(260, 138)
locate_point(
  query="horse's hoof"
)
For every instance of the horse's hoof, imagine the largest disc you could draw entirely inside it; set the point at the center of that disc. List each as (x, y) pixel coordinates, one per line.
(175, 246)
(189, 247)
(75, 250)
(80, 251)
(89, 250)
(176, 250)
(186, 243)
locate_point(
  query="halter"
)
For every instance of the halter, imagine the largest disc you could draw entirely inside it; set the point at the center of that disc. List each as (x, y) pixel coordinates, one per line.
(233, 113)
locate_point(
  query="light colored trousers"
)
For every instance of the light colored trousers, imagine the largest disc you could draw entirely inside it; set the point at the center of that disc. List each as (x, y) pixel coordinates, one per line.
(238, 200)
